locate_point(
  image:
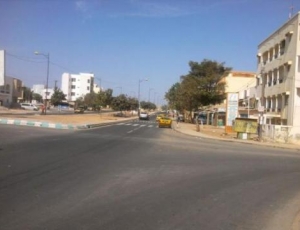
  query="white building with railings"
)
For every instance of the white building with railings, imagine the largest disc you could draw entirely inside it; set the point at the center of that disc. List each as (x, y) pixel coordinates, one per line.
(75, 86)
(278, 77)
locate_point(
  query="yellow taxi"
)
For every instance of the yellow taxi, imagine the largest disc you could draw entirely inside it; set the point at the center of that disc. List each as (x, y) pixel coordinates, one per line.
(165, 122)
(159, 116)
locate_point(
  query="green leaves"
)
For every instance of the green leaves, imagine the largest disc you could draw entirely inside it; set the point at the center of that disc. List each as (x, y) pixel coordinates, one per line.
(57, 97)
(202, 86)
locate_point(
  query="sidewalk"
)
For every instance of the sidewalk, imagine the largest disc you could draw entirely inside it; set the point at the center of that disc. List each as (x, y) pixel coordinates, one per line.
(218, 133)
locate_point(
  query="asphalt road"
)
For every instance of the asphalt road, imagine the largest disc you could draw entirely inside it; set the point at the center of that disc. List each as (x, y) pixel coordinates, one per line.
(136, 176)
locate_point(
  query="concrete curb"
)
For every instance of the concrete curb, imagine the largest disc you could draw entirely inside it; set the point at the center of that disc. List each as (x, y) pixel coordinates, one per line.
(42, 124)
(45, 124)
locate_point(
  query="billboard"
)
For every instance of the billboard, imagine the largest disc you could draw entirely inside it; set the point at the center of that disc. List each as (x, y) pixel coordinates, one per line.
(2, 67)
(232, 108)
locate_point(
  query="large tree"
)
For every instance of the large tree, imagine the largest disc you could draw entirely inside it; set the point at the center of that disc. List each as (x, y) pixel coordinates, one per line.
(120, 103)
(57, 97)
(172, 96)
(104, 98)
(37, 97)
(202, 86)
(27, 94)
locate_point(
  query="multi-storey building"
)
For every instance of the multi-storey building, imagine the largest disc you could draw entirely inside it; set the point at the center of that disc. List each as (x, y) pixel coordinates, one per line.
(75, 86)
(41, 90)
(11, 92)
(278, 76)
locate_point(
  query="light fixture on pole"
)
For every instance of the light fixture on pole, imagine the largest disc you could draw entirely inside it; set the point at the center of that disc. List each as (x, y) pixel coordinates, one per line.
(47, 79)
(139, 104)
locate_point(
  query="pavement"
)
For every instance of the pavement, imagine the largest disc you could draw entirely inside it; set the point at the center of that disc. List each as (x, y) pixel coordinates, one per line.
(91, 120)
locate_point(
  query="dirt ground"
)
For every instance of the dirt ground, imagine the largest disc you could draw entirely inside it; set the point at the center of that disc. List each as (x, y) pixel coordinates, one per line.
(69, 118)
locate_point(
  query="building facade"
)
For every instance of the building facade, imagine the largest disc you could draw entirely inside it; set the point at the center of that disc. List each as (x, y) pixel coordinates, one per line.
(278, 76)
(75, 86)
(11, 92)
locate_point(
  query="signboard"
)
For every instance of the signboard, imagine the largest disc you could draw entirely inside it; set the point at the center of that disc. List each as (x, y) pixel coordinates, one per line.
(232, 108)
(245, 125)
(2, 67)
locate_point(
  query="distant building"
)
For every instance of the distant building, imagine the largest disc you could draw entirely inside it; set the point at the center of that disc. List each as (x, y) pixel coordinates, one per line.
(240, 82)
(39, 89)
(11, 91)
(96, 89)
(75, 86)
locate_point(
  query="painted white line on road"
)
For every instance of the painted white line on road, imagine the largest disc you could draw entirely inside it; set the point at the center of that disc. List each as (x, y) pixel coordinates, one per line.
(121, 124)
(130, 131)
(135, 124)
(150, 126)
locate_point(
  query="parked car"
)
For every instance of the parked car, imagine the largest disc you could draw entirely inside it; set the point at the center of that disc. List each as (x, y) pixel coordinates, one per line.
(180, 118)
(29, 106)
(144, 116)
(165, 122)
(79, 109)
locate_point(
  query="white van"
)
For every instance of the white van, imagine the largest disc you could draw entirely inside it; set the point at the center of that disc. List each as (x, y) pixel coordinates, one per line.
(29, 106)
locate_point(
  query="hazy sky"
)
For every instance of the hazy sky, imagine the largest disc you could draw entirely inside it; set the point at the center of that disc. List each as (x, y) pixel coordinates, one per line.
(123, 41)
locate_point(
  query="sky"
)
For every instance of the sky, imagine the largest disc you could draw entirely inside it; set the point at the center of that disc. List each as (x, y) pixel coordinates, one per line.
(125, 42)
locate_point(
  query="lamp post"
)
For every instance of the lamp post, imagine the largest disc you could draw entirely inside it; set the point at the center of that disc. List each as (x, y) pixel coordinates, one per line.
(149, 93)
(48, 60)
(139, 104)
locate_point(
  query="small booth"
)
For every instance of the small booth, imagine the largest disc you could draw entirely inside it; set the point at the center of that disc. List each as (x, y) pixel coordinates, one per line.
(245, 127)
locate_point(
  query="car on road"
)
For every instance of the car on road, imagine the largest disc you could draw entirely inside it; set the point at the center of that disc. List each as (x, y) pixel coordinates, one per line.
(79, 109)
(29, 106)
(165, 122)
(144, 116)
(159, 116)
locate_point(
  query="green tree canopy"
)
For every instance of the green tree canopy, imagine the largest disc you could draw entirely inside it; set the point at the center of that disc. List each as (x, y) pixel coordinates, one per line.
(57, 97)
(37, 97)
(27, 94)
(202, 86)
(104, 98)
(147, 105)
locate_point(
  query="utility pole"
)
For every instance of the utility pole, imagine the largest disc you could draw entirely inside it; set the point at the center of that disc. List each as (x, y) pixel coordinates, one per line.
(55, 84)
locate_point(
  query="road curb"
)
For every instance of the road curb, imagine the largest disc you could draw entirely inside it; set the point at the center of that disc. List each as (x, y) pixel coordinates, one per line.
(45, 124)
(42, 124)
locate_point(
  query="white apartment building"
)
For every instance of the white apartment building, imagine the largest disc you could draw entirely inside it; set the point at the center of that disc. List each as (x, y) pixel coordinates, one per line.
(75, 86)
(278, 76)
(41, 90)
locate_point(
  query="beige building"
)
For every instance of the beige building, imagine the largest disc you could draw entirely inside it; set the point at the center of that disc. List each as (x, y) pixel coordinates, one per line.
(278, 76)
(240, 82)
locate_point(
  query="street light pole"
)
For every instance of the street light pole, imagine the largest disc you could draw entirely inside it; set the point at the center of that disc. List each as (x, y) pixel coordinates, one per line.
(149, 94)
(47, 79)
(139, 104)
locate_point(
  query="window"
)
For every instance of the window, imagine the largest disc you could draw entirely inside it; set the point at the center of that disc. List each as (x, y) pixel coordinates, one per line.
(72, 94)
(73, 79)
(88, 88)
(73, 87)
(88, 81)
(286, 99)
